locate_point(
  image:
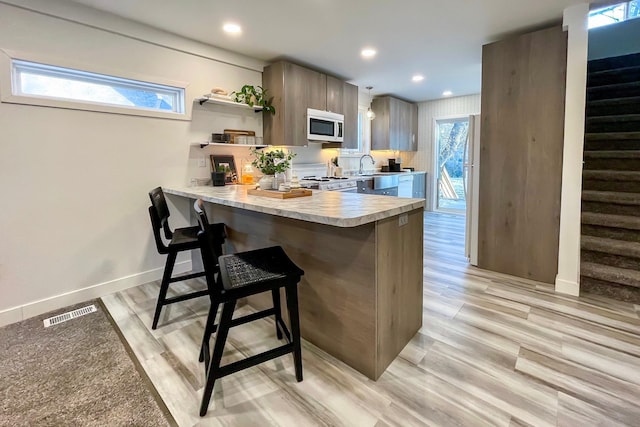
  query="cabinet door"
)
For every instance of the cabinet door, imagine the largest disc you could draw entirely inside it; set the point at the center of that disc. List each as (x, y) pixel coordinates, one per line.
(413, 134)
(335, 95)
(380, 126)
(304, 88)
(350, 103)
(419, 185)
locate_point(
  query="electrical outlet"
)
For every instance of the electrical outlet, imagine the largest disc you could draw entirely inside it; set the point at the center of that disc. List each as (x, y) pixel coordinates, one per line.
(202, 162)
(403, 219)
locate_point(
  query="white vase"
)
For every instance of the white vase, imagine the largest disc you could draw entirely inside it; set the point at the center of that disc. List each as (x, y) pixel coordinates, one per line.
(266, 182)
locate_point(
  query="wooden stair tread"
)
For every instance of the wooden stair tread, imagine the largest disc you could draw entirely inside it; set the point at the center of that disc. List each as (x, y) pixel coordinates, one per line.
(623, 276)
(610, 220)
(610, 246)
(614, 197)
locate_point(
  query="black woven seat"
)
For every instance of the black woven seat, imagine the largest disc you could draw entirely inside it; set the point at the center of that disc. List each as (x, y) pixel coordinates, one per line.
(241, 275)
(180, 239)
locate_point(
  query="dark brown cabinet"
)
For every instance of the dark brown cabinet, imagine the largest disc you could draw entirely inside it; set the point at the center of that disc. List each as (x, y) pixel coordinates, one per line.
(395, 126)
(294, 89)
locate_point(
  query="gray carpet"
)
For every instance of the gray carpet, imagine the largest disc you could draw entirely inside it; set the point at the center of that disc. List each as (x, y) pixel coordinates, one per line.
(74, 373)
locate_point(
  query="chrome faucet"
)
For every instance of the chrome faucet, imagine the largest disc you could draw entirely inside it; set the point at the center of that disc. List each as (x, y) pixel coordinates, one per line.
(373, 162)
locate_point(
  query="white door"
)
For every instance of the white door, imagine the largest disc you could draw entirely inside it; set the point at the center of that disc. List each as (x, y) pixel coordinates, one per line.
(472, 176)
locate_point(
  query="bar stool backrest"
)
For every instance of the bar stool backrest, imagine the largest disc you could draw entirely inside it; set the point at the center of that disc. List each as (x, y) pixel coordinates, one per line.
(209, 248)
(159, 213)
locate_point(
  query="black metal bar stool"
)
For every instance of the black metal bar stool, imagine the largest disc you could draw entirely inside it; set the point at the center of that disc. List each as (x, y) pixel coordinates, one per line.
(241, 275)
(180, 239)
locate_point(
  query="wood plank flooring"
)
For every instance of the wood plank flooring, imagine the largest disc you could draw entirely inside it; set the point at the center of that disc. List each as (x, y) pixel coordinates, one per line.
(493, 350)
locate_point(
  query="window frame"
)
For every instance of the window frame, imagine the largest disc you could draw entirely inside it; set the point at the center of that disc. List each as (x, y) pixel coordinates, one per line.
(10, 93)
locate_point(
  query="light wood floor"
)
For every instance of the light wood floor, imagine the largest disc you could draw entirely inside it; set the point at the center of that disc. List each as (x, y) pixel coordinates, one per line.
(493, 350)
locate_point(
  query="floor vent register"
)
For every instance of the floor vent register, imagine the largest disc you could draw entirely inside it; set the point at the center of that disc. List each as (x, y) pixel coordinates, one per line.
(55, 320)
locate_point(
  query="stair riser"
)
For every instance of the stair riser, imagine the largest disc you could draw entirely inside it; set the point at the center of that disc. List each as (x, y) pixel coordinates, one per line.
(620, 76)
(612, 164)
(608, 92)
(614, 62)
(611, 233)
(616, 109)
(610, 260)
(619, 186)
(610, 290)
(610, 208)
(612, 145)
(612, 126)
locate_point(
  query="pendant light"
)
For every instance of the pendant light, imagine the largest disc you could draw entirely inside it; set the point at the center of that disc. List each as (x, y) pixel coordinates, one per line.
(370, 114)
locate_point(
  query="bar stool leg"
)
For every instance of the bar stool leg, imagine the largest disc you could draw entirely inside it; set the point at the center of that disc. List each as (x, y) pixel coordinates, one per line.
(164, 286)
(209, 328)
(218, 349)
(275, 294)
(294, 320)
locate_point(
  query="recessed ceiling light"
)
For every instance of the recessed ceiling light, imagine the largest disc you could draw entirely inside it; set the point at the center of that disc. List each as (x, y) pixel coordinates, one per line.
(232, 28)
(447, 93)
(368, 53)
(417, 78)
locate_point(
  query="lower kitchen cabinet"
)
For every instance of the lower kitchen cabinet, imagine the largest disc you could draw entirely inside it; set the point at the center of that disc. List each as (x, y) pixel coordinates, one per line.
(419, 185)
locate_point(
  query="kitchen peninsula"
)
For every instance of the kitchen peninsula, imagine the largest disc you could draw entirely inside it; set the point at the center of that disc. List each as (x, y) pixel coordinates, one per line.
(361, 295)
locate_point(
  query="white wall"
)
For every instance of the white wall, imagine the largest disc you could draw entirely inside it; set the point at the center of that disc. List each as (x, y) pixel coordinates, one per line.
(614, 40)
(74, 221)
(429, 111)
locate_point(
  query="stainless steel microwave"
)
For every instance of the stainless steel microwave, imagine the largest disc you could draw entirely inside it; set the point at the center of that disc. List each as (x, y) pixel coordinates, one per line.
(324, 126)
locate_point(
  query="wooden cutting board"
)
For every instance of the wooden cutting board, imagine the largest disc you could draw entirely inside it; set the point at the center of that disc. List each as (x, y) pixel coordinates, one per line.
(302, 192)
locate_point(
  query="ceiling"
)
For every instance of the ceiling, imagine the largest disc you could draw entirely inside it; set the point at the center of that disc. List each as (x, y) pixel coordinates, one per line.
(440, 39)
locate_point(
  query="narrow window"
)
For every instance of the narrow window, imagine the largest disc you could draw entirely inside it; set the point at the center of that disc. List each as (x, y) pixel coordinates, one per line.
(65, 84)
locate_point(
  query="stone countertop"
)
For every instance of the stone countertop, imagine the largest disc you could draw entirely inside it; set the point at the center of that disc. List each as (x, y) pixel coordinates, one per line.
(324, 207)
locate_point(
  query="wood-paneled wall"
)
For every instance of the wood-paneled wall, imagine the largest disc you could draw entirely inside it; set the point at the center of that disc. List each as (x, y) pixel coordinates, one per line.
(522, 133)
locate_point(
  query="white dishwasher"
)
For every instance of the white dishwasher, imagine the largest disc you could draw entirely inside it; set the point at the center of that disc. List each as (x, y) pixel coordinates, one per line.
(405, 185)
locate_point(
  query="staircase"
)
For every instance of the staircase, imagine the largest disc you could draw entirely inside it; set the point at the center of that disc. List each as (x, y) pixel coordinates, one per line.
(610, 261)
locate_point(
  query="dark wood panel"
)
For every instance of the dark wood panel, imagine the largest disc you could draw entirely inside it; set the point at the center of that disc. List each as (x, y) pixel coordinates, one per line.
(523, 90)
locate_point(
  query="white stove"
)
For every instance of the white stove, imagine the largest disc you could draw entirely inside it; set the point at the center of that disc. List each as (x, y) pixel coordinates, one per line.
(331, 183)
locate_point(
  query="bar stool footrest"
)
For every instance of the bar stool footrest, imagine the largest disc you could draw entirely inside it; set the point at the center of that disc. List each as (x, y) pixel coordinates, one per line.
(186, 277)
(185, 297)
(257, 359)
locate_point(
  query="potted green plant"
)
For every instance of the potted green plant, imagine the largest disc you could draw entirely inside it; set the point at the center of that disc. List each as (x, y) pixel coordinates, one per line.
(271, 163)
(218, 177)
(254, 95)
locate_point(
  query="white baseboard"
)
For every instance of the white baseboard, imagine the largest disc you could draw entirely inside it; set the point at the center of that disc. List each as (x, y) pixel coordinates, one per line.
(16, 314)
(567, 287)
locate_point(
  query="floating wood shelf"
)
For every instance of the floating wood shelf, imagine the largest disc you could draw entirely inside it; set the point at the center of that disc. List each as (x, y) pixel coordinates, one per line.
(222, 144)
(227, 102)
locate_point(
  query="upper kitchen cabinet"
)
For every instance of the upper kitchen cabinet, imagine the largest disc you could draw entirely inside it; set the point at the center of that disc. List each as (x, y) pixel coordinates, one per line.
(350, 111)
(335, 95)
(295, 89)
(395, 126)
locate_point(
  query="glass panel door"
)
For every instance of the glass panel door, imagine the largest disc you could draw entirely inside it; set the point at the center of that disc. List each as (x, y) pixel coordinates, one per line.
(451, 139)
